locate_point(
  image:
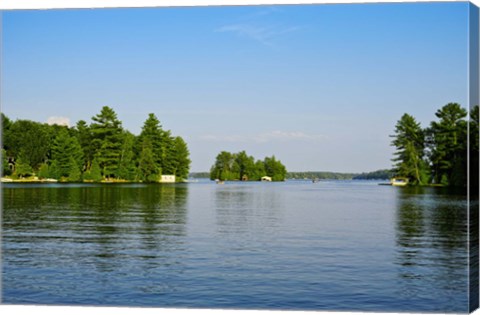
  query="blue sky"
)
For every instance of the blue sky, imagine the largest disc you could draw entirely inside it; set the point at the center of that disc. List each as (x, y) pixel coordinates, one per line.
(320, 86)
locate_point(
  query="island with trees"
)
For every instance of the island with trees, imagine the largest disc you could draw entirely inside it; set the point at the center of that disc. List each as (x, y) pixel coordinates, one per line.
(102, 151)
(438, 154)
(240, 166)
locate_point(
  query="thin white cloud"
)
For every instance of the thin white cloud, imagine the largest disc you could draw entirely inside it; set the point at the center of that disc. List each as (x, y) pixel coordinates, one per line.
(261, 34)
(256, 33)
(61, 121)
(271, 136)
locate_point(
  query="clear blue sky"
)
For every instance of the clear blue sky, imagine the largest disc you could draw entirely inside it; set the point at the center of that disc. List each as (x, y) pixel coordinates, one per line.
(319, 86)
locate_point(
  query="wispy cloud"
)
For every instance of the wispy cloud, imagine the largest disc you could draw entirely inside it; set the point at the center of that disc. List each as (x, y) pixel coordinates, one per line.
(259, 33)
(254, 26)
(55, 120)
(271, 136)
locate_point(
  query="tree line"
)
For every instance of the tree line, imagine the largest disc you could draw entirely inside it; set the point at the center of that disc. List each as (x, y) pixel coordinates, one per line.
(438, 154)
(240, 166)
(101, 150)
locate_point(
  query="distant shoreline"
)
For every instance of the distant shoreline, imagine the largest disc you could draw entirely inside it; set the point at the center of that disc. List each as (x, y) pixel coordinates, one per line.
(319, 175)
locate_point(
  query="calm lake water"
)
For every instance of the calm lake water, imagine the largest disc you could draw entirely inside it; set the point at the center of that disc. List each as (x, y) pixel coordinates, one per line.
(332, 245)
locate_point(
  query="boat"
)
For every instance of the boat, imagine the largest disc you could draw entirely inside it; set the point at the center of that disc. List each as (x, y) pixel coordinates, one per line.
(399, 181)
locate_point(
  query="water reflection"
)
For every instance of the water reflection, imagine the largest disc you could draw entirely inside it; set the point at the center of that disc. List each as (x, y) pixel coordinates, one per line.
(94, 230)
(247, 208)
(431, 230)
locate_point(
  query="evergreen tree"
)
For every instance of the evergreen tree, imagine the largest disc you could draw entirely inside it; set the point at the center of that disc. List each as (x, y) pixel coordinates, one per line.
(22, 167)
(474, 150)
(447, 141)
(181, 158)
(43, 171)
(54, 171)
(65, 150)
(107, 140)
(84, 138)
(127, 169)
(74, 174)
(147, 166)
(94, 173)
(152, 133)
(167, 162)
(409, 142)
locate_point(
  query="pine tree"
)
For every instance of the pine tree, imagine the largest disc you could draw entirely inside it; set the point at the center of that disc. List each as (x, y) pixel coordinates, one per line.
(22, 167)
(107, 140)
(147, 167)
(74, 174)
(84, 138)
(65, 150)
(153, 133)
(447, 141)
(409, 142)
(181, 158)
(43, 171)
(127, 169)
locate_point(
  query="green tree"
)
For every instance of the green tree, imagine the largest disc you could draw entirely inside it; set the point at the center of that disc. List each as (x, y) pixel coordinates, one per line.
(153, 133)
(127, 168)
(67, 153)
(107, 139)
(147, 166)
(447, 141)
(181, 158)
(222, 169)
(43, 171)
(259, 170)
(84, 137)
(409, 142)
(28, 136)
(244, 166)
(74, 174)
(275, 169)
(5, 165)
(474, 149)
(94, 173)
(22, 167)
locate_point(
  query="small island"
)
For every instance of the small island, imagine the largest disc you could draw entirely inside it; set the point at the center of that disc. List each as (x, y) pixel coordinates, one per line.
(242, 167)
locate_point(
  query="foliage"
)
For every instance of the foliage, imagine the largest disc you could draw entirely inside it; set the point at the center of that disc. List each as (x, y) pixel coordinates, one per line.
(375, 175)
(447, 142)
(409, 140)
(25, 136)
(107, 140)
(240, 166)
(474, 149)
(43, 171)
(67, 153)
(5, 165)
(439, 153)
(149, 169)
(127, 168)
(93, 152)
(22, 167)
(94, 173)
(181, 158)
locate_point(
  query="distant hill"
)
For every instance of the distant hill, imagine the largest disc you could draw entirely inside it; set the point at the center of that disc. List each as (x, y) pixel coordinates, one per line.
(380, 174)
(377, 175)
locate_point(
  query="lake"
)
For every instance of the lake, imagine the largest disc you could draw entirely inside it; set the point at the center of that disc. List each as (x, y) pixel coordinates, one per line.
(295, 245)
